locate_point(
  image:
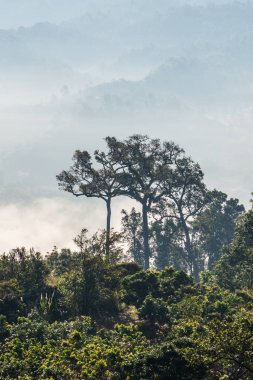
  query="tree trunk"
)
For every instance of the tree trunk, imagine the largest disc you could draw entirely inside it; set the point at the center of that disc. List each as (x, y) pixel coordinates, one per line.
(145, 235)
(108, 228)
(188, 247)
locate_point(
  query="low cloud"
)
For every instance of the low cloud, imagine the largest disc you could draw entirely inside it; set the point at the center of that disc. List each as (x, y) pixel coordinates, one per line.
(45, 223)
(48, 222)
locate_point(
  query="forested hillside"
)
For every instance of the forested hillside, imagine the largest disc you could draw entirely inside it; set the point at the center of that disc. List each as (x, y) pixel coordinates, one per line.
(167, 296)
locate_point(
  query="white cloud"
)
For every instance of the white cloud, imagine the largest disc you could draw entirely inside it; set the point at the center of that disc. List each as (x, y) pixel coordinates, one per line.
(44, 223)
(47, 222)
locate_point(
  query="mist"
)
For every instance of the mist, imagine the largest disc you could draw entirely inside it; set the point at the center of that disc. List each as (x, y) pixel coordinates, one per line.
(71, 74)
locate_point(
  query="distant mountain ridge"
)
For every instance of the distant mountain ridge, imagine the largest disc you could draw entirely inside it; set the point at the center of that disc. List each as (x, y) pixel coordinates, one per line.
(116, 32)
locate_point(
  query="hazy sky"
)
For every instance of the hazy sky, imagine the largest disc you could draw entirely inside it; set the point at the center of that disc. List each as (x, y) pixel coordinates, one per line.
(73, 72)
(15, 13)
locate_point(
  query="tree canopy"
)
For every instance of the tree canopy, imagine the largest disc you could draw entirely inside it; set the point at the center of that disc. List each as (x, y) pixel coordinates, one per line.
(169, 296)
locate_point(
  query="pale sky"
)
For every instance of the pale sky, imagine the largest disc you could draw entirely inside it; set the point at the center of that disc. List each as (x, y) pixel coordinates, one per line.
(73, 72)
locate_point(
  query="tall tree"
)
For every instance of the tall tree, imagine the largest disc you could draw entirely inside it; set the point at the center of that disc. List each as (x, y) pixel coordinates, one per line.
(83, 179)
(131, 225)
(234, 269)
(215, 226)
(166, 244)
(185, 197)
(143, 162)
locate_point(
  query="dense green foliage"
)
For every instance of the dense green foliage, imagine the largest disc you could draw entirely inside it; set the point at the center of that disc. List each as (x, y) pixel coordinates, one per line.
(78, 316)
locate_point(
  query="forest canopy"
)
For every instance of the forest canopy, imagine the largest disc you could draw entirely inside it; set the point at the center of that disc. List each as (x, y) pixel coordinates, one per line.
(168, 296)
